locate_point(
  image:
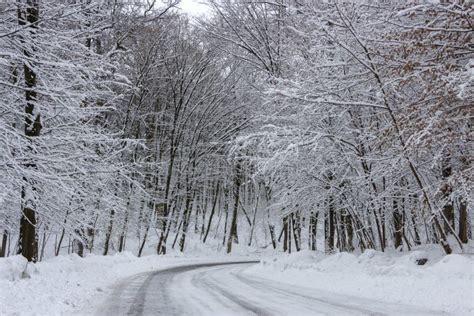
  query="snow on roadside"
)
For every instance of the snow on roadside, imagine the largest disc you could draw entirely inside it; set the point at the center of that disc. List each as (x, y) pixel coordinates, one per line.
(444, 283)
(70, 284)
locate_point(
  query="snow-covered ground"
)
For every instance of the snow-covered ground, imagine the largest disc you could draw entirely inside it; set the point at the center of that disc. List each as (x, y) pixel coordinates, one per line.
(69, 284)
(444, 283)
(226, 290)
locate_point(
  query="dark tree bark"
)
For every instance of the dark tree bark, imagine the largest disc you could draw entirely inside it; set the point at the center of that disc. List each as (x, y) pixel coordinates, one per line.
(296, 224)
(271, 228)
(254, 216)
(340, 232)
(58, 248)
(448, 212)
(3, 247)
(329, 227)
(313, 224)
(161, 247)
(28, 242)
(463, 222)
(226, 210)
(77, 243)
(123, 234)
(90, 233)
(142, 245)
(108, 234)
(290, 228)
(285, 234)
(233, 226)
(448, 208)
(186, 217)
(214, 203)
(346, 218)
(416, 236)
(398, 224)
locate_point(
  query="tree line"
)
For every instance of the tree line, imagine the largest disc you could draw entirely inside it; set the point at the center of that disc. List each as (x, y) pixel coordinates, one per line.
(286, 124)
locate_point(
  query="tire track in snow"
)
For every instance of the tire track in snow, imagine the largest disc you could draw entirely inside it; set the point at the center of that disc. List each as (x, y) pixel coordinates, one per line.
(225, 289)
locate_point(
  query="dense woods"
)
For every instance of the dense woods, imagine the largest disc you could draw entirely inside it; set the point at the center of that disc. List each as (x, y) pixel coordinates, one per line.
(322, 125)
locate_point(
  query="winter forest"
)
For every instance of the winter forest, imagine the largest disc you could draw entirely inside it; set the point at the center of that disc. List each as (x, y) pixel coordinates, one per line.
(282, 126)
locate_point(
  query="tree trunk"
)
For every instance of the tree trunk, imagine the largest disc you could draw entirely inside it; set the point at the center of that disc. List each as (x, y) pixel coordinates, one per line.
(43, 243)
(295, 222)
(271, 228)
(416, 237)
(397, 225)
(285, 234)
(178, 229)
(226, 209)
(448, 212)
(313, 223)
(77, 244)
(463, 221)
(186, 217)
(108, 234)
(58, 248)
(340, 232)
(214, 203)
(161, 247)
(196, 218)
(28, 242)
(329, 228)
(233, 226)
(3, 247)
(123, 234)
(378, 225)
(290, 228)
(91, 234)
(346, 218)
(142, 245)
(254, 217)
(448, 207)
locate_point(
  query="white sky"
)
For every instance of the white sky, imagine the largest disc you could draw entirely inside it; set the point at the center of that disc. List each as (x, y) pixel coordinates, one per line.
(193, 7)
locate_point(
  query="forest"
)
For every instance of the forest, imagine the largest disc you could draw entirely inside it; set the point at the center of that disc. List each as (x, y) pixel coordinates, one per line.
(284, 125)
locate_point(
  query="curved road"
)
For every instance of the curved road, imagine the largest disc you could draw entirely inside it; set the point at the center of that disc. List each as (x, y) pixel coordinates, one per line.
(225, 289)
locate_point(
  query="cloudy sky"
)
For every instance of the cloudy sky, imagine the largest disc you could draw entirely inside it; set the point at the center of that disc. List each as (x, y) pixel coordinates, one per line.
(193, 7)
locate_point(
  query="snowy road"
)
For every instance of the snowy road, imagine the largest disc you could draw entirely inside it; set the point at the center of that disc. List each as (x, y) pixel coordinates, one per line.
(225, 289)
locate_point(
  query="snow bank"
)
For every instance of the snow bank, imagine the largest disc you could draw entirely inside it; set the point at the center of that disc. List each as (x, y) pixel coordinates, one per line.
(12, 268)
(72, 285)
(442, 284)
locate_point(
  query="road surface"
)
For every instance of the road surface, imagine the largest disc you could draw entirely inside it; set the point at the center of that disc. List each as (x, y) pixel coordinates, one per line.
(225, 289)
